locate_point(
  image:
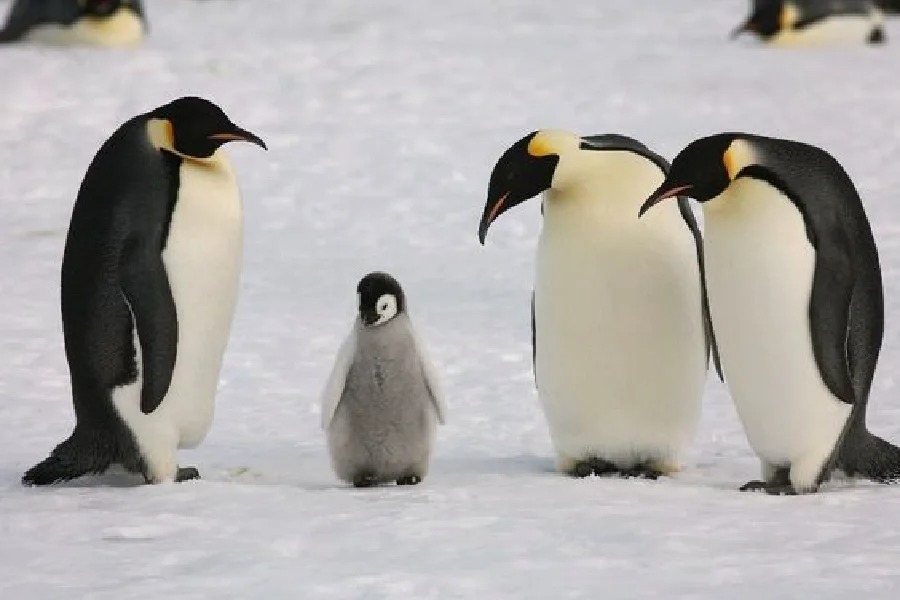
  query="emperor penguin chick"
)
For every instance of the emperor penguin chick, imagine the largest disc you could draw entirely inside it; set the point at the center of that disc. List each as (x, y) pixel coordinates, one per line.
(612, 296)
(383, 398)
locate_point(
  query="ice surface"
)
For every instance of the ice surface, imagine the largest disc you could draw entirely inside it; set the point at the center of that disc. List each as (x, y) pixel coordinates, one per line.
(383, 120)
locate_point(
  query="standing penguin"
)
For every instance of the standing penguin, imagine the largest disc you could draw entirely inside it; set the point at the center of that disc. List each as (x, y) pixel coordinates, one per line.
(814, 22)
(612, 295)
(149, 284)
(383, 397)
(796, 301)
(76, 22)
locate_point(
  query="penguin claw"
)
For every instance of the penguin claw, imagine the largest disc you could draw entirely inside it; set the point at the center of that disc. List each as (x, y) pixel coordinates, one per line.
(187, 474)
(409, 480)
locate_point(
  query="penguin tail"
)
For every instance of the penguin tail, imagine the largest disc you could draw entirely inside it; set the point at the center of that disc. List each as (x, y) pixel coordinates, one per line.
(85, 452)
(873, 458)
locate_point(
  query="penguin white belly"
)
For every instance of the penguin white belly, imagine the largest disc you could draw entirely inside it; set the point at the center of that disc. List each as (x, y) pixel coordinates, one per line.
(838, 29)
(759, 269)
(202, 258)
(620, 341)
(122, 28)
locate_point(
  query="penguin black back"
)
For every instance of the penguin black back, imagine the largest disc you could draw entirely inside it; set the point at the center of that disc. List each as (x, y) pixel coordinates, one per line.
(847, 265)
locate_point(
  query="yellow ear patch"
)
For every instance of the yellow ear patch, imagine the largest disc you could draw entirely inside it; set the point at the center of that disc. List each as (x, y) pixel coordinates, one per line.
(541, 145)
(736, 157)
(789, 15)
(161, 134)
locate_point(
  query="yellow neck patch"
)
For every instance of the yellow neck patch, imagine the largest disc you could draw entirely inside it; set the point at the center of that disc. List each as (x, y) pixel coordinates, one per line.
(552, 141)
(789, 16)
(738, 155)
(161, 134)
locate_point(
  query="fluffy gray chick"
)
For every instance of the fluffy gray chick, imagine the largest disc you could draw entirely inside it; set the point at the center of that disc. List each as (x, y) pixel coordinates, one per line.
(383, 398)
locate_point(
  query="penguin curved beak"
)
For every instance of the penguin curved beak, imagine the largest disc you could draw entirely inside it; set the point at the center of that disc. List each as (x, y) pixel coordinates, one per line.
(239, 135)
(664, 191)
(491, 211)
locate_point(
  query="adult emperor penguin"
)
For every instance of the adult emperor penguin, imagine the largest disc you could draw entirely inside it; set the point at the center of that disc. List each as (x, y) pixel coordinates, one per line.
(149, 283)
(796, 301)
(612, 295)
(814, 22)
(76, 22)
(383, 398)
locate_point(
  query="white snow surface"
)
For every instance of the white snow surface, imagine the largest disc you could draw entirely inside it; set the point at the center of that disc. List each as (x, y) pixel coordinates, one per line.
(384, 119)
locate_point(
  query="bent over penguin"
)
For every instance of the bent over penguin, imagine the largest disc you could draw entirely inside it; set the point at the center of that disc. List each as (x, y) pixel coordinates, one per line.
(149, 284)
(796, 300)
(613, 295)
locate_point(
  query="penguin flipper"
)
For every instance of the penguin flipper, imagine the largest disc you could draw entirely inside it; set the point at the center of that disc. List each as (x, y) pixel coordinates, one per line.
(829, 317)
(334, 387)
(533, 340)
(432, 379)
(145, 287)
(711, 347)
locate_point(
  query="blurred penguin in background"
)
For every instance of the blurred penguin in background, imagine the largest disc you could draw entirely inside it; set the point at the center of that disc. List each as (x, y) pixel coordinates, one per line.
(76, 22)
(797, 23)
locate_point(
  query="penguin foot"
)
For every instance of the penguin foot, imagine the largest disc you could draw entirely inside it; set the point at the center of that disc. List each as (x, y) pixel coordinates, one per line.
(642, 472)
(364, 480)
(593, 466)
(602, 467)
(186, 474)
(776, 488)
(409, 480)
(582, 470)
(753, 486)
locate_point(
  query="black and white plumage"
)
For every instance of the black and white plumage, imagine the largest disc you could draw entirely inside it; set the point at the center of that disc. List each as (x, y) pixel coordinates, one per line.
(796, 301)
(76, 22)
(814, 22)
(611, 296)
(383, 398)
(149, 284)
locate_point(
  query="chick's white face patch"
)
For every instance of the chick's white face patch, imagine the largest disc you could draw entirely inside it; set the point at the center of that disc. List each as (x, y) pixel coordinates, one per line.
(386, 307)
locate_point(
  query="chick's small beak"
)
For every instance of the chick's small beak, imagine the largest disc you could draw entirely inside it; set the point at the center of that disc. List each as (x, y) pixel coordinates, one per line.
(664, 191)
(490, 213)
(238, 134)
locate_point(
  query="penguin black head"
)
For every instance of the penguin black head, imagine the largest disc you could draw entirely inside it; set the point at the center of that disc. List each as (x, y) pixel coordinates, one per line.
(702, 170)
(380, 299)
(768, 17)
(524, 171)
(195, 128)
(100, 8)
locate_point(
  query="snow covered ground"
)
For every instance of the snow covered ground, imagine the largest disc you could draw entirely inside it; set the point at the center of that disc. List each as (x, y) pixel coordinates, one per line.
(383, 120)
